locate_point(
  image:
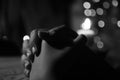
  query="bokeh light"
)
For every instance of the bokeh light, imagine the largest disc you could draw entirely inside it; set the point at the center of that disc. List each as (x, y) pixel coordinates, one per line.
(86, 32)
(93, 12)
(115, 3)
(100, 44)
(96, 39)
(86, 25)
(87, 12)
(106, 5)
(99, 11)
(118, 23)
(86, 5)
(101, 23)
(86, 28)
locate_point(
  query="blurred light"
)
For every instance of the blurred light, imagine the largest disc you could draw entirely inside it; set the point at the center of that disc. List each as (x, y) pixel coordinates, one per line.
(99, 11)
(87, 12)
(118, 24)
(115, 3)
(114, 20)
(86, 25)
(86, 32)
(101, 23)
(86, 28)
(96, 1)
(100, 44)
(106, 5)
(86, 5)
(96, 39)
(93, 12)
(26, 37)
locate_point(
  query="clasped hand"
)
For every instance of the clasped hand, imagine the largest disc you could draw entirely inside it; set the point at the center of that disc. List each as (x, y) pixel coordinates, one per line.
(44, 48)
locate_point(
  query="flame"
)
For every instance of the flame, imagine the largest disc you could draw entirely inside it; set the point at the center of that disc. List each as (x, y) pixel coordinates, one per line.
(86, 28)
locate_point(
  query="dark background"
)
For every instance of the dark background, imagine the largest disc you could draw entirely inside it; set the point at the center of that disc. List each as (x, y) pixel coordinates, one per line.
(20, 17)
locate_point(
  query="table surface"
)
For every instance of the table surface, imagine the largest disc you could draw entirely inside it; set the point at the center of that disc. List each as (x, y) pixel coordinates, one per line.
(11, 69)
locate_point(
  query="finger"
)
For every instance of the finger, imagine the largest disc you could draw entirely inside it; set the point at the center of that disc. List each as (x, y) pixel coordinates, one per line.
(59, 38)
(53, 30)
(27, 73)
(23, 58)
(25, 44)
(27, 67)
(27, 64)
(80, 39)
(35, 42)
(30, 55)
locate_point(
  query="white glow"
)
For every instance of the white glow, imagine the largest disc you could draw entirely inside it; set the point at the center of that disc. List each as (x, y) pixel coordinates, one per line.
(86, 25)
(87, 12)
(26, 37)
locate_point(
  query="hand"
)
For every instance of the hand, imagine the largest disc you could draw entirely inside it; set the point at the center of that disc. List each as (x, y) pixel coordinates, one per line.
(43, 64)
(29, 50)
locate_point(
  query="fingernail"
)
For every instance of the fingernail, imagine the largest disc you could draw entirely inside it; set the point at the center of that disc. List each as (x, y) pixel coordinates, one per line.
(26, 72)
(51, 32)
(26, 37)
(26, 62)
(23, 57)
(28, 53)
(27, 65)
(34, 49)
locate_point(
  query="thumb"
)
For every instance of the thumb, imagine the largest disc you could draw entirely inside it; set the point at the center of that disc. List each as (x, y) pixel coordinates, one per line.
(81, 39)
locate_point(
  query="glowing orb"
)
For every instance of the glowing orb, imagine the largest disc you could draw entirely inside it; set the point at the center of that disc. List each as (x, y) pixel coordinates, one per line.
(86, 5)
